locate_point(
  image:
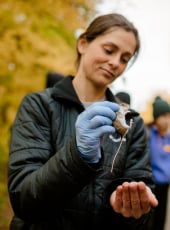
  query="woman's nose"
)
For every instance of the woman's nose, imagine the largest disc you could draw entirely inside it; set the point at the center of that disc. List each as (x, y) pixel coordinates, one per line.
(114, 61)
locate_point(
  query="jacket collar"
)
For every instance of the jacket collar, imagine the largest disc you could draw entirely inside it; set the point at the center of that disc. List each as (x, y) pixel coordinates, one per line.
(64, 91)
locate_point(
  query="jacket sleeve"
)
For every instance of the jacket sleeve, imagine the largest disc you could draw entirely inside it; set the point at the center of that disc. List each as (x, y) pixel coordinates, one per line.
(41, 182)
(138, 166)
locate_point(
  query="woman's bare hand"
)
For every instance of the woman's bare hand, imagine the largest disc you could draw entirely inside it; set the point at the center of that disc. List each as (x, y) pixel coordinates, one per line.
(133, 199)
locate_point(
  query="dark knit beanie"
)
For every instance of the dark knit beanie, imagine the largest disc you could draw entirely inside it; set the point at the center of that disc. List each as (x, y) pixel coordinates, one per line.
(123, 97)
(160, 107)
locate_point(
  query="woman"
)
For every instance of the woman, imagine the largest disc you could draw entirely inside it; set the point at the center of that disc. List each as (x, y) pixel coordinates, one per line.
(63, 143)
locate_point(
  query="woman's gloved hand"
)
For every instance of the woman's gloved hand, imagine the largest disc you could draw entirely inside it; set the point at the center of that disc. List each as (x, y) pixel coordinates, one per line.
(91, 125)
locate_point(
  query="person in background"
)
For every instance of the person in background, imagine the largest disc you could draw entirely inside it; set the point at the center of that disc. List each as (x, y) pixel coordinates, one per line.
(159, 144)
(52, 78)
(64, 170)
(123, 97)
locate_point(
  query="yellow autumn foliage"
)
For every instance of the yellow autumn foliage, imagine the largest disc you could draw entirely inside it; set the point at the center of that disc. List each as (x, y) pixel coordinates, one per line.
(35, 37)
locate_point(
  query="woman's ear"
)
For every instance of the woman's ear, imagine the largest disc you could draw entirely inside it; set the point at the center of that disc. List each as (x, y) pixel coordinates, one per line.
(82, 44)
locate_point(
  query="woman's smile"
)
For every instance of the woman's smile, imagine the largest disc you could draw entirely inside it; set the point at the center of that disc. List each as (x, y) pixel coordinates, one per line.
(107, 73)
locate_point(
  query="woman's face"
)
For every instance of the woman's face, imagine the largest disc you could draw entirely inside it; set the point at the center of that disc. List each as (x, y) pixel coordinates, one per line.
(106, 57)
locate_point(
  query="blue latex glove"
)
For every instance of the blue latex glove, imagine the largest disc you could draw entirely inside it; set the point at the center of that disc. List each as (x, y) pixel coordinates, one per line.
(91, 125)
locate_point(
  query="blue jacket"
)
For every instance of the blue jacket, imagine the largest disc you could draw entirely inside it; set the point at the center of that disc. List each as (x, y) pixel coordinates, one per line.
(160, 156)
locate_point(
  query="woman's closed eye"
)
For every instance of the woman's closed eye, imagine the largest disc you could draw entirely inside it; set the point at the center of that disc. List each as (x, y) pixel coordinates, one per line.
(108, 51)
(125, 59)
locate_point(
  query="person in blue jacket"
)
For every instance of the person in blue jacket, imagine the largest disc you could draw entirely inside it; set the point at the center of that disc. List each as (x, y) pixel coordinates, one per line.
(69, 166)
(159, 144)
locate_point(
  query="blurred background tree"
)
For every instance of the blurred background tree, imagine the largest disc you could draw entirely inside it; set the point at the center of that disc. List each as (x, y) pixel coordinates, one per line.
(35, 37)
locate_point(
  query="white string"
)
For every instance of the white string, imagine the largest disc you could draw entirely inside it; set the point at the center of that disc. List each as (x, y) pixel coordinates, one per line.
(113, 161)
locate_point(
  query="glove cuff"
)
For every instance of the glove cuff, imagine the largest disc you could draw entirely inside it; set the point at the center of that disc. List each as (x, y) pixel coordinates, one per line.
(91, 157)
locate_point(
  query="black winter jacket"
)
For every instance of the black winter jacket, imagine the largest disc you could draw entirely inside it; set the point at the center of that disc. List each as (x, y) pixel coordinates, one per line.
(50, 186)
